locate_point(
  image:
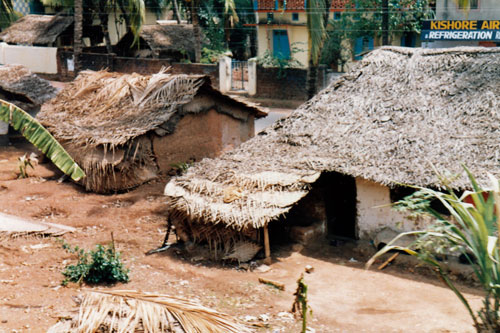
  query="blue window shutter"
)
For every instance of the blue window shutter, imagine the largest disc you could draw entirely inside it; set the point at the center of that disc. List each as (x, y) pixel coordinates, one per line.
(256, 4)
(358, 48)
(370, 43)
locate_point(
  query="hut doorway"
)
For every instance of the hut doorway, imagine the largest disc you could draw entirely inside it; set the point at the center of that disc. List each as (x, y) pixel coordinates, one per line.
(340, 204)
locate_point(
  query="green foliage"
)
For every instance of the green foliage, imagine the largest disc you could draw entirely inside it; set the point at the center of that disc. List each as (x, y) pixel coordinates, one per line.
(35, 133)
(300, 304)
(363, 18)
(471, 230)
(269, 60)
(181, 167)
(102, 265)
(316, 28)
(213, 27)
(7, 14)
(210, 56)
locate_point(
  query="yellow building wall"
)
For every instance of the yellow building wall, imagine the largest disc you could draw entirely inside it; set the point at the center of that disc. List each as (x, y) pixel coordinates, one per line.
(297, 34)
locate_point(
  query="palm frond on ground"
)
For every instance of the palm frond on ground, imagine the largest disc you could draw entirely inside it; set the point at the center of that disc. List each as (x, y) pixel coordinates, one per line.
(132, 311)
(35, 133)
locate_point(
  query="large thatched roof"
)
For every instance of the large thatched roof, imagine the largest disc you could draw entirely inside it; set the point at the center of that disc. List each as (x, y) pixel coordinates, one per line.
(398, 112)
(99, 116)
(20, 84)
(36, 29)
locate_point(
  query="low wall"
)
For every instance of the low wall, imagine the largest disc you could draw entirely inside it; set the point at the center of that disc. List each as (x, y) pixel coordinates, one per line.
(287, 84)
(98, 61)
(37, 59)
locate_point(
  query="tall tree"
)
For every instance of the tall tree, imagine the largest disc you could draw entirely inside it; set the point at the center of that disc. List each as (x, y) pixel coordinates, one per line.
(195, 20)
(78, 34)
(317, 19)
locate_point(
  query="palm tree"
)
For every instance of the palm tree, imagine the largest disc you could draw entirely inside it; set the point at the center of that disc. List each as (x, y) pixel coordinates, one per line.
(230, 17)
(6, 13)
(317, 19)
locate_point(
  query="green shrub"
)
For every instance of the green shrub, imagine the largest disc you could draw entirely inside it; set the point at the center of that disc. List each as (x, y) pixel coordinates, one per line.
(103, 265)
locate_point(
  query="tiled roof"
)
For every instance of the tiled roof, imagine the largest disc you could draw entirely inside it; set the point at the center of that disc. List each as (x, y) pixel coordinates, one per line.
(298, 4)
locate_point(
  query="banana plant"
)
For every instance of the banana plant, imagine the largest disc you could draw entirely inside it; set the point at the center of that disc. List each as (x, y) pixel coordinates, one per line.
(38, 135)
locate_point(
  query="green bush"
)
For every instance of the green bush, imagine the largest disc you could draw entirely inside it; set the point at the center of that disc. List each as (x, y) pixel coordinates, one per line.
(103, 265)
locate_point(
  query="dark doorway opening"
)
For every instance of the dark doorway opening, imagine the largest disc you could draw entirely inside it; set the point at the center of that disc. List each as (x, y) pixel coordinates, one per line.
(339, 193)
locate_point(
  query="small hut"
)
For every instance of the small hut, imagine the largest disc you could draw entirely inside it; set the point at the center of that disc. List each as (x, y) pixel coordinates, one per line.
(125, 129)
(40, 30)
(24, 89)
(172, 41)
(334, 166)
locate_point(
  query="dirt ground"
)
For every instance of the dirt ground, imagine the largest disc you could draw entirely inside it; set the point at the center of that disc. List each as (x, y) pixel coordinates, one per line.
(343, 296)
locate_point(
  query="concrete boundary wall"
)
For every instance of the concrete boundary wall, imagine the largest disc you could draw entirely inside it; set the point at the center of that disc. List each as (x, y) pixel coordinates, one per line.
(38, 59)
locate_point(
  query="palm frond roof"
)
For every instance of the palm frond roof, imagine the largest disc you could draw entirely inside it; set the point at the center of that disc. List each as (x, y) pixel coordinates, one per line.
(395, 116)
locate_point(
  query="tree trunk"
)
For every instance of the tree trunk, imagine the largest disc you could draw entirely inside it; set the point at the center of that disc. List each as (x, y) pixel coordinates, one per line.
(78, 34)
(177, 15)
(196, 30)
(311, 79)
(312, 68)
(385, 22)
(103, 17)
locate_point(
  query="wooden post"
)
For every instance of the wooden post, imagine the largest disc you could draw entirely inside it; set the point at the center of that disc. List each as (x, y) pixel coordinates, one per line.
(267, 248)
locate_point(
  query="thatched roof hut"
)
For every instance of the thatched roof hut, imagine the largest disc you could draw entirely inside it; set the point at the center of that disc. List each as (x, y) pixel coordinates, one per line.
(113, 123)
(161, 41)
(396, 114)
(23, 88)
(41, 30)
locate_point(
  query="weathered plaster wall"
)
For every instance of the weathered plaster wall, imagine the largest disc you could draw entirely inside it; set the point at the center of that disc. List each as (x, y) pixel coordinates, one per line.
(375, 212)
(44, 62)
(196, 136)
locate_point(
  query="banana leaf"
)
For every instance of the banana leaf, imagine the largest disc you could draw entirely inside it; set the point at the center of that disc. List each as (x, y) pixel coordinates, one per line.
(35, 133)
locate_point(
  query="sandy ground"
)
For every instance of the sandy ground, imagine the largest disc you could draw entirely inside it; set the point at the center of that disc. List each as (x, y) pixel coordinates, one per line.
(343, 296)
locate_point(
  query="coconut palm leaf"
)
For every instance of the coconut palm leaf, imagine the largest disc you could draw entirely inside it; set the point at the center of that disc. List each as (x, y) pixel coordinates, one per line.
(316, 28)
(131, 311)
(7, 15)
(35, 133)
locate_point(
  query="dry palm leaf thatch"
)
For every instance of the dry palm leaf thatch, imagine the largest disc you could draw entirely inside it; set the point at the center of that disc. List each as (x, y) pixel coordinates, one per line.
(396, 112)
(169, 38)
(105, 119)
(17, 82)
(13, 226)
(109, 109)
(132, 311)
(36, 29)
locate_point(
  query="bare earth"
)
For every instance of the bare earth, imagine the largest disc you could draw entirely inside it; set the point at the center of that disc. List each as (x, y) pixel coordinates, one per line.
(343, 296)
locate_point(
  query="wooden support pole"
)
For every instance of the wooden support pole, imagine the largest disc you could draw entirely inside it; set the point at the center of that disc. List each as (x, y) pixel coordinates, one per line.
(267, 248)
